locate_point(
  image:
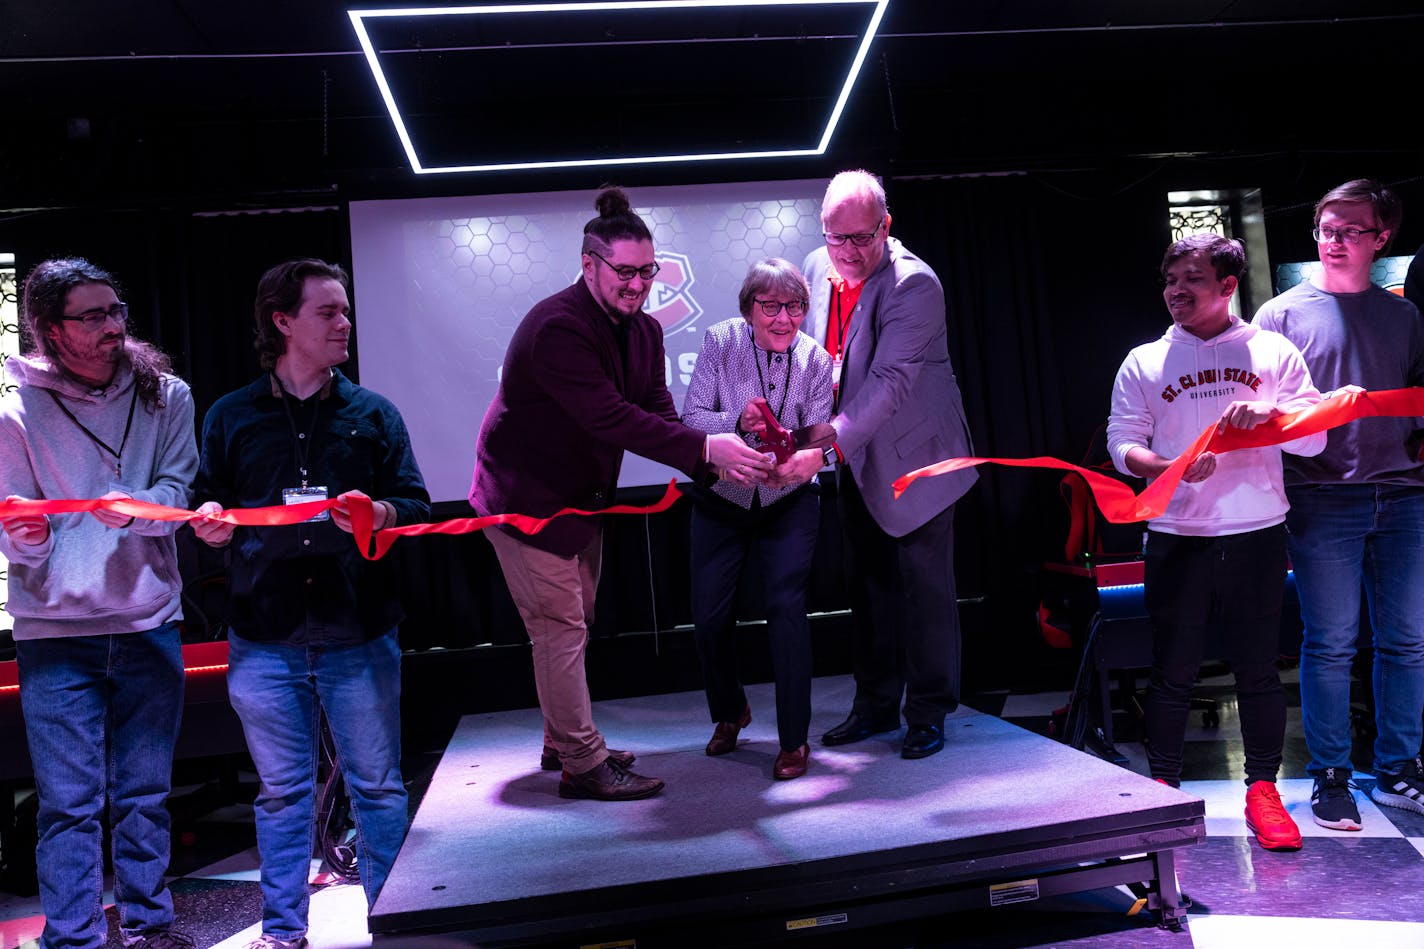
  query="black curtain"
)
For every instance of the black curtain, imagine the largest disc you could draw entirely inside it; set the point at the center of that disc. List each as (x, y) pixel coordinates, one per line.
(1050, 278)
(1044, 299)
(226, 254)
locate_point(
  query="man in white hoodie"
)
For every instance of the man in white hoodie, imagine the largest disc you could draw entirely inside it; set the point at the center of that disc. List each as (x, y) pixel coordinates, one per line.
(1217, 557)
(96, 599)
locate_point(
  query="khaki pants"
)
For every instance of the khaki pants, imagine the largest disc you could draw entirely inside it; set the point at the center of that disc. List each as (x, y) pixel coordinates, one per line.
(555, 597)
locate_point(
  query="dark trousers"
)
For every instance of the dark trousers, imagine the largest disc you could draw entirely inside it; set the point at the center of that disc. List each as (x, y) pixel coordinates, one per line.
(723, 537)
(1233, 584)
(906, 613)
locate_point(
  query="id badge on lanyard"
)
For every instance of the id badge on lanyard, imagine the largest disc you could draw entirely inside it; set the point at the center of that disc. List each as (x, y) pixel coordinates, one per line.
(316, 492)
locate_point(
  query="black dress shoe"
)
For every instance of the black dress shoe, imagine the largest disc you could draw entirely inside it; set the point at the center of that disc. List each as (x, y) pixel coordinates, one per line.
(858, 726)
(921, 741)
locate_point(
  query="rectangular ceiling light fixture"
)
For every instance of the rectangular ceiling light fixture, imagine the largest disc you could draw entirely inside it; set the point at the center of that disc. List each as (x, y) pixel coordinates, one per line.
(359, 20)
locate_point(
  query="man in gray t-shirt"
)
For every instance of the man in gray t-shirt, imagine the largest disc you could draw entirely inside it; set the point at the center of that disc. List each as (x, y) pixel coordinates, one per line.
(1357, 509)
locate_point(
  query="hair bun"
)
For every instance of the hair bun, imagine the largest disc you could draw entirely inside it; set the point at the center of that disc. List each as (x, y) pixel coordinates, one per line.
(612, 202)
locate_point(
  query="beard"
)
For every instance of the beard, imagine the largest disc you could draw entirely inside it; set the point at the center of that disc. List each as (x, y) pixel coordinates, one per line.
(94, 359)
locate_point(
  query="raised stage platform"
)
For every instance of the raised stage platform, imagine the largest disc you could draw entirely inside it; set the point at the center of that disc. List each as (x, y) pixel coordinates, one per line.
(726, 856)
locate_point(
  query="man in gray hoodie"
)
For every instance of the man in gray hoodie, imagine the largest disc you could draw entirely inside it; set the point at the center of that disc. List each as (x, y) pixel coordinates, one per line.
(95, 598)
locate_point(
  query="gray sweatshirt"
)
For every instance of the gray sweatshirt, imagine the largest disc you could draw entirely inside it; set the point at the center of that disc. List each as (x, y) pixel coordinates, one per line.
(87, 579)
(1372, 339)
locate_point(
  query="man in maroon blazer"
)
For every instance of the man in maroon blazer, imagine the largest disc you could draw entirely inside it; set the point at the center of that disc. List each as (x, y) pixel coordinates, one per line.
(583, 381)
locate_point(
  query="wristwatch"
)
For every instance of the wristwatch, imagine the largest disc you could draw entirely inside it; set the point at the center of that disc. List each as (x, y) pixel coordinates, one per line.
(828, 455)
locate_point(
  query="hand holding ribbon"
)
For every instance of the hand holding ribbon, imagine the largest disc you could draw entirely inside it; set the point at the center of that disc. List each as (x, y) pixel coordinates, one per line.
(28, 530)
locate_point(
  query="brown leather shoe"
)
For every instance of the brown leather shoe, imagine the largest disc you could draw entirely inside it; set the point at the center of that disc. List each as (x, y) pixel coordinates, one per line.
(724, 736)
(549, 759)
(791, 764)
(608, 782)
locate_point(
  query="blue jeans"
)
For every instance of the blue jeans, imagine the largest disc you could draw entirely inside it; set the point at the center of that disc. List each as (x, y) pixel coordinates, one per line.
(1344, 538)
(101, 717)
(275, 689)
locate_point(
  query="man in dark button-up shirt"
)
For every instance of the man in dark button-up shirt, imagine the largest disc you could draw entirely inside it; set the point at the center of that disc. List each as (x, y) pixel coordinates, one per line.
(311, 619)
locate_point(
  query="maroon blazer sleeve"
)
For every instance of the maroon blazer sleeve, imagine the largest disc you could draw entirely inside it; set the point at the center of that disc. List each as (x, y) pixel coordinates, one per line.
(629, 407)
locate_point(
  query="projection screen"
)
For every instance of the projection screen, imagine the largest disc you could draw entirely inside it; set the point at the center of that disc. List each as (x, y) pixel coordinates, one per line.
(441, 283)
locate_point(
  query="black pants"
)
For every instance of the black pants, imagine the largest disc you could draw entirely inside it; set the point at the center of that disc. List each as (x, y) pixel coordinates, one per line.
(906, 613)
(723, 536)
(1233, 583)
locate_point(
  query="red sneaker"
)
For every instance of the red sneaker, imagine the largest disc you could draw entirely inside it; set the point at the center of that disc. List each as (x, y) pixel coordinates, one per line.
(1268, 819)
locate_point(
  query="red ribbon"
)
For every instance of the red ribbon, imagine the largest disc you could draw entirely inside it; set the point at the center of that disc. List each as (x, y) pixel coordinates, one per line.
(1121, 506)
(360, 508)
(361, 522)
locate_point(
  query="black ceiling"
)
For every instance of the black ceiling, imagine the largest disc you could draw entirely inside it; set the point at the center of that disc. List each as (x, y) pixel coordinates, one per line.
(200, 103)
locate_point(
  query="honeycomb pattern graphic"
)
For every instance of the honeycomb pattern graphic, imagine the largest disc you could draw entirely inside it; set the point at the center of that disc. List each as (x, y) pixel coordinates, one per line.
(500, 266)
(1387, 272)
(470, 279)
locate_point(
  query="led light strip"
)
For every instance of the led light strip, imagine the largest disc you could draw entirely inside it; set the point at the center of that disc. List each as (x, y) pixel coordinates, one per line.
(359, 16)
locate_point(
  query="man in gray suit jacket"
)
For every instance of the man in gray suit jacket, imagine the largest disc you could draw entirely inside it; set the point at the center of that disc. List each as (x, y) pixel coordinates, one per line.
(879, 311)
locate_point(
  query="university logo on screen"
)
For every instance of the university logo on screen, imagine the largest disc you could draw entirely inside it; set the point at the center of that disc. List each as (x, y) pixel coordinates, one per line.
(672, 304)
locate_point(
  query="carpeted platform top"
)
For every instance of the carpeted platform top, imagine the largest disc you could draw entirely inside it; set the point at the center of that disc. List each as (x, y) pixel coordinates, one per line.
(492, 828)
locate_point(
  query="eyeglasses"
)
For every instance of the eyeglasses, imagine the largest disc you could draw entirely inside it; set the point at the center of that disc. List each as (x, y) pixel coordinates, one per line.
(771, 308)
(97, 317)
(627, 273)
(1347, 235)
(859, 240)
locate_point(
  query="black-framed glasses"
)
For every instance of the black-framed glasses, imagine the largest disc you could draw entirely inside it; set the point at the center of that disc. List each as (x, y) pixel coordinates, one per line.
(628, 272)
(771, 308)
(1347, 235)
(859, 240)
(97, 317)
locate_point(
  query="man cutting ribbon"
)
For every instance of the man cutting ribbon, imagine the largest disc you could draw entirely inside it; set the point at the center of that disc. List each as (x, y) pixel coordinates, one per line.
(880, 312)
(583, 381)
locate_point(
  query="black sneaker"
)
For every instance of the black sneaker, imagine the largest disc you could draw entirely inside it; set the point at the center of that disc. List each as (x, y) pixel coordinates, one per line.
(1331, 802)
(1403, 788)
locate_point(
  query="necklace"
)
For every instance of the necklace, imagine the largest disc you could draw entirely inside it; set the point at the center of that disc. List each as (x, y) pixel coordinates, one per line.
(128, 427)
(301, 443)
(786, 383)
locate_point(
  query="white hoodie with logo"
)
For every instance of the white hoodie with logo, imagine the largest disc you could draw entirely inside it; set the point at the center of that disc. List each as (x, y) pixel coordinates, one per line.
(1170, 389)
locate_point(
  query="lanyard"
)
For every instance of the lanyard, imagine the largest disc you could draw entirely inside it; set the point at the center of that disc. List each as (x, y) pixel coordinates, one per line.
(128, 427)
(841, 324)
(785, 385)
(301, 444)
(843, 301)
